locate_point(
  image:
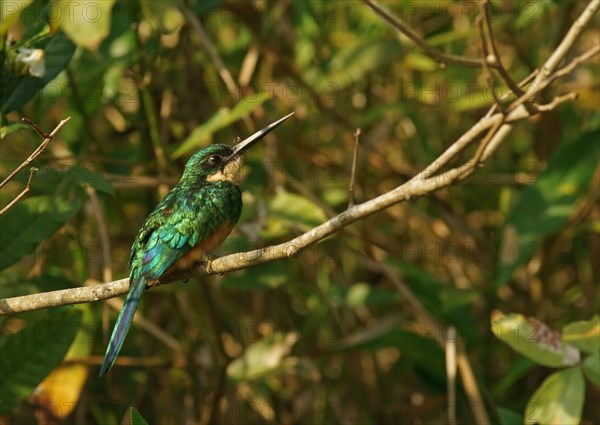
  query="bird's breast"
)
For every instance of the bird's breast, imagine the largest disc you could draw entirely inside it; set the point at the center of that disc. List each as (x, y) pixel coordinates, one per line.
(199, 251)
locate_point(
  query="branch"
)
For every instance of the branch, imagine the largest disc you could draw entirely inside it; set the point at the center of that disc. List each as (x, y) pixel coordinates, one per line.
(211, 51)
(563, 48)
(39, 149)
(439, 56)
(493, 57)
(422, 184)
(24, 192)
(485, 62)
(351, 198)
(419, 185)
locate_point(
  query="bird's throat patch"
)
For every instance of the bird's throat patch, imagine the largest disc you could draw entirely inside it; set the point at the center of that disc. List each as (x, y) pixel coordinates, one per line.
(232, 172)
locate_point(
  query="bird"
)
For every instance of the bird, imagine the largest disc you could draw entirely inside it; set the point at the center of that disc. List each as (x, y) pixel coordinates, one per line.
(195, 217)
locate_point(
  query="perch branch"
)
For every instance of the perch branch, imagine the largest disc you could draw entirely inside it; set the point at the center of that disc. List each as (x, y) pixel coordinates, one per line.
(419, 185)
(39, 149)
(423, 183)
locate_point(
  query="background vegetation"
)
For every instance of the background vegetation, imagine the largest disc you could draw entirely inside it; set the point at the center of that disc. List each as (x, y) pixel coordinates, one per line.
(328, 336)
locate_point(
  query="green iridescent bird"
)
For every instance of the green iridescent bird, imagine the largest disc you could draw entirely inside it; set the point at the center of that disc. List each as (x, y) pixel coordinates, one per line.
(193, 219)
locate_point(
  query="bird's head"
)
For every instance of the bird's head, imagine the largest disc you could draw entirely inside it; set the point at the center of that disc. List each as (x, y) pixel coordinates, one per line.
(223, 163)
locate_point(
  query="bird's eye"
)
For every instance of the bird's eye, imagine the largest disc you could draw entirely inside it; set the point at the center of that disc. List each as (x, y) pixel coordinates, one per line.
(215, 159)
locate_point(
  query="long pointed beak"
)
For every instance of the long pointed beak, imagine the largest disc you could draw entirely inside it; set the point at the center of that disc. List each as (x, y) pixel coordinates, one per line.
(247, 143)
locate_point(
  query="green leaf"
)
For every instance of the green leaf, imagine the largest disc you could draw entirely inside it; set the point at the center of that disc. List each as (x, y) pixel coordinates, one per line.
(449, 303)
(10, 12)
(133, 417)
(87, 22)
(202, 135)
(559, 400)
(58, 53)
(591, 368)
(76, 176)
(261, 358)
(8, 127)
(162, 14)
(352, 64)
(535, 340)
(584, 335)
(361, 294)
(420, 62)
(545, 206)
(419, 349)
(30, 354)
(203, 8)
(518, 369)
(508, 417)
(260, 277)
(29, 222)
(296, 210)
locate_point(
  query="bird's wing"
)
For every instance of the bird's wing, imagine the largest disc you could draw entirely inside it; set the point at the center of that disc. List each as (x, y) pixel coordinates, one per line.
(178, 229)
(166, 244)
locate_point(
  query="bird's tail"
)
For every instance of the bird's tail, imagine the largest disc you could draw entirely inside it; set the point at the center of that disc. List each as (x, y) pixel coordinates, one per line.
(138, 283)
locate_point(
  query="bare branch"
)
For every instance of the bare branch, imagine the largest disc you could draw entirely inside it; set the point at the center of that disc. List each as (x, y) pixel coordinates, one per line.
(352, 200)
(211, 51)
(557, 101)
(567, 69)
(22, 194)
(102, 233)
(439, 56)
(567, 43)
(451, 373)
(422, 184)
(35, 127)
(419, 185)
(492, 56)
(485, 63)
(39, 149)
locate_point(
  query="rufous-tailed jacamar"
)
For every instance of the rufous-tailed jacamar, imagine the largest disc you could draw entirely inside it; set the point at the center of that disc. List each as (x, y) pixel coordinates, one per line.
(193, 219)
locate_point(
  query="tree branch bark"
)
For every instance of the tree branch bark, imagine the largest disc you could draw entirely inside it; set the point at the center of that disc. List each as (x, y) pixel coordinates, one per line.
(427, 181)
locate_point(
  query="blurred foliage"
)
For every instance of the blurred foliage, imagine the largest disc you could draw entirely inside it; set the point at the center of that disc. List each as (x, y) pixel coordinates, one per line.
(324, 337)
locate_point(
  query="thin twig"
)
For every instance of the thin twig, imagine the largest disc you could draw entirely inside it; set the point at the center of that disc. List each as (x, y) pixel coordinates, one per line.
(102, 233)
(547, 73)
(122, 181)
(493, 57)
(436, 54)
(469, 383)
(39, 149)
(351, 200)
(36, 128)
(536, 88)
(567, 69)
(211, 51)
(248, 65)
(451, 373)
(506, 95)
(154, 330)
(566, 44)
(557, 101)
(24, 192)
(213, 54)
(485, 141)
(485, 63)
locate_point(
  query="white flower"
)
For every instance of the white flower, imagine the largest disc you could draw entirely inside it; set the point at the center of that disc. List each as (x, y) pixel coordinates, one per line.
(35, 59)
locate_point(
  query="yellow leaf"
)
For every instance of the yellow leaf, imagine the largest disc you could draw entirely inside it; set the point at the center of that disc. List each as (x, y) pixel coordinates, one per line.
(85, 22)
